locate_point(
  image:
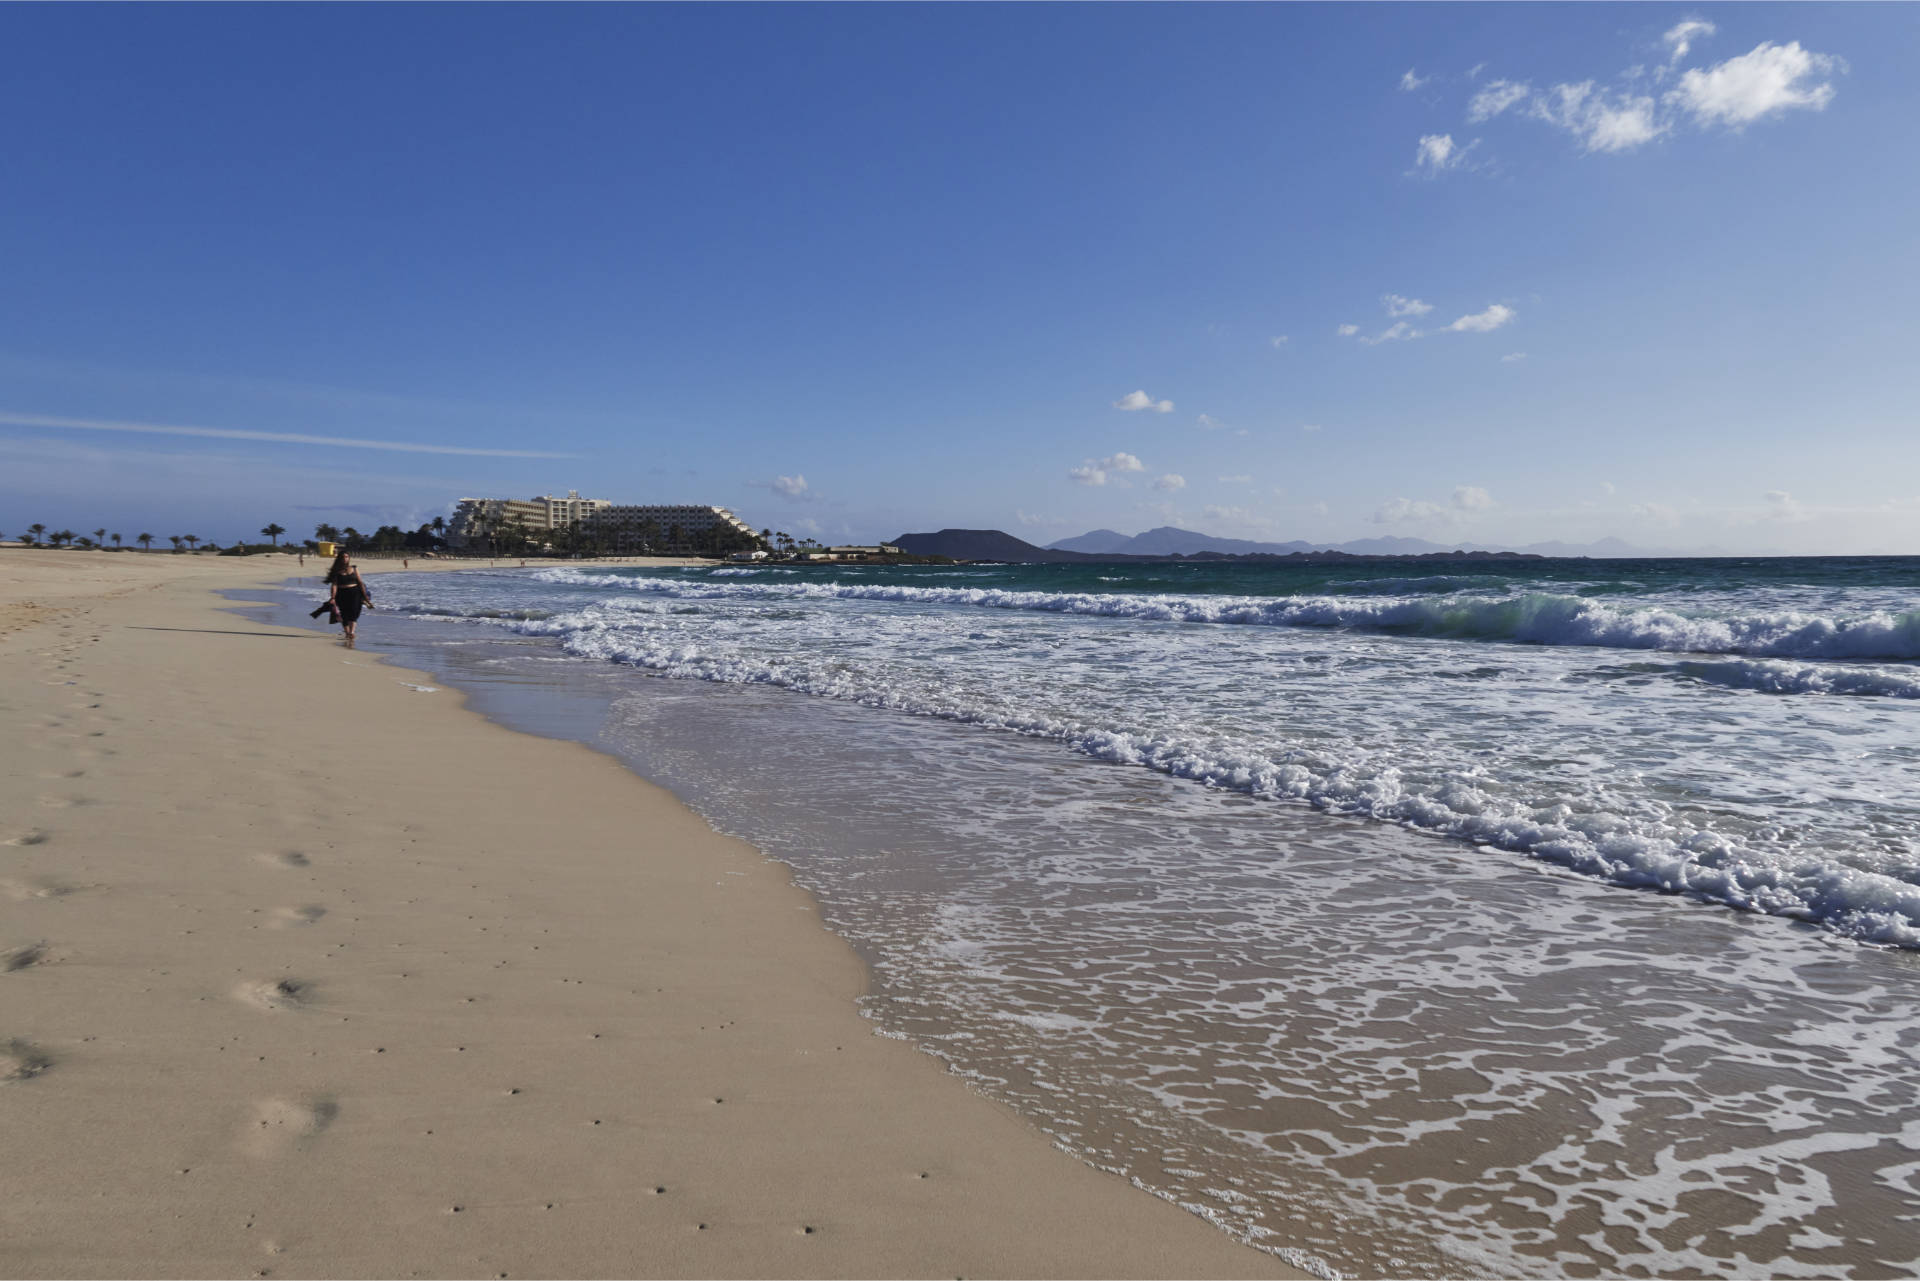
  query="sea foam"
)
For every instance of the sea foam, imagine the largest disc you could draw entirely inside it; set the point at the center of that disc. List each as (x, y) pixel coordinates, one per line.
(1535, 618)
(1643, 850)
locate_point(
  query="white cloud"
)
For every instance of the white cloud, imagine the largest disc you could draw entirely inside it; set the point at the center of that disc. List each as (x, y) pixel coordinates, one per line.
(1496, 98)
(1483, 321)
(1410, 82)
(1471, 498)
(1207, 422)
(1437, 153)
(1311, 427)
(1398, 330)
(1236, 480)
(1680, 37)
(1602, 121)
(1170, 482)
(791, 486)
(1279, 340)
(1473, 72)
(1783, 507)
(1100, 471)
(1138, 400)
(1347, 331)
(1399, 306)
(1606, 487)
(269, 437)
(1402, 510)
(1513, 357)
(1771, 79)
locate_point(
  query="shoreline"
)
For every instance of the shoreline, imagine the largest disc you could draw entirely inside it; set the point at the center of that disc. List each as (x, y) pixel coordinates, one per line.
(291, 988)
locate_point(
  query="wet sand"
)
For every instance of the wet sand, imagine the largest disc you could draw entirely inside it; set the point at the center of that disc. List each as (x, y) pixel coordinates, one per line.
(309, 970)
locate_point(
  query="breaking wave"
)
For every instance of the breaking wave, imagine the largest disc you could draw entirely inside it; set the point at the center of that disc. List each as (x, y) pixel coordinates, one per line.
(1534, 618)
(1641, 852)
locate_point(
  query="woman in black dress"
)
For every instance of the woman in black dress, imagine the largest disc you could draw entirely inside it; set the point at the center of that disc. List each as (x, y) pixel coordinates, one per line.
(346, 593)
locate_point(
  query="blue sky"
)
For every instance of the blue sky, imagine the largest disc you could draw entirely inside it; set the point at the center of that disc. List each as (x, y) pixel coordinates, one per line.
(859, 270)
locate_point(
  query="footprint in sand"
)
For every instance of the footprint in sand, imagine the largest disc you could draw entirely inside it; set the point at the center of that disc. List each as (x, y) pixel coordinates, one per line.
(285, 858)
(65, 802)
(34, 837)
(284, 1125)
(19, 958)
(274, 995)
(37, 887)
(21, 1062)
(64, 773)
(306, 914)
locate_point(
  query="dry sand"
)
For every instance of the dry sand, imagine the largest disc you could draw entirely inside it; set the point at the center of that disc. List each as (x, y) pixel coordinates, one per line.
(307, 972)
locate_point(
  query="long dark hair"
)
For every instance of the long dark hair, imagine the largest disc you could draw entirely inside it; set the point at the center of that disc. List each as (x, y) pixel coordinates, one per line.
(337, 573)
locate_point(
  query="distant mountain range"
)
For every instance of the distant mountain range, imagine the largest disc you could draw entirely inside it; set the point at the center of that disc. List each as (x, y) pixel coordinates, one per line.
(1157, 544)
(1168, 540)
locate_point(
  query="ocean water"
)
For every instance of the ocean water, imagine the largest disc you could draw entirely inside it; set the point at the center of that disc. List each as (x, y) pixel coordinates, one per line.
(1533, 918)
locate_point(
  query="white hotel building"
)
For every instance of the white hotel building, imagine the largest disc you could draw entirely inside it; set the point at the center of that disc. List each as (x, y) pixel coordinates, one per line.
(618, 527)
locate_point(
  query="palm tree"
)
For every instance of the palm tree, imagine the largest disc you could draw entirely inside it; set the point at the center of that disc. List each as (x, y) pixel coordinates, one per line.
(99, 535)
(176, 540)
(116, 542)
(145, 541)
(86, 544)
(326, 533)
(191, 540)
(60, 536)
(273, 532)
(439, 525)
(34, 531)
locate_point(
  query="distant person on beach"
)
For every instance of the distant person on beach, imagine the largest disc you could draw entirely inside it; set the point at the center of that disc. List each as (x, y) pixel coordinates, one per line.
(346, 593)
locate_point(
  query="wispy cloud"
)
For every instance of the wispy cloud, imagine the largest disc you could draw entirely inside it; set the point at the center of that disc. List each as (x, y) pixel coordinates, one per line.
(1513, 357)
(1437, 153)
(1170, 482)
(1481, 322)
(1767, 81)
(268, 437)
(1346, 331)
(1411, 82)
(1495, 98)
(1134, 401)
(1680, 37)
(1395, 332)
(1279, 340)
(1602, 119)
(790, 487)
(1465, 500)
(1399, 306)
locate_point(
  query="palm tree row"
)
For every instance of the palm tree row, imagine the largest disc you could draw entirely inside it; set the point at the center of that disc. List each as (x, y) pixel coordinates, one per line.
(38, 535)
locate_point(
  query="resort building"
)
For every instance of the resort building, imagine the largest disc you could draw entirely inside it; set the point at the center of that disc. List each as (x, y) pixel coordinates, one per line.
(541, 514)
(671, 528)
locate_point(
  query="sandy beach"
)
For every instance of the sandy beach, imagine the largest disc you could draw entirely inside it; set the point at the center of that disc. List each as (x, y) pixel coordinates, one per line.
(309, 970)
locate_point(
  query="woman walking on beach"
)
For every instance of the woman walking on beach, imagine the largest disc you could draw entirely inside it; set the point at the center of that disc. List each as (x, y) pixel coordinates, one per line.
(346, 593)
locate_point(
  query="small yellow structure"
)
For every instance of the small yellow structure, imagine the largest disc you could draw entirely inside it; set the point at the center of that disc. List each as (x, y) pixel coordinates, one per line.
(323, 549)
